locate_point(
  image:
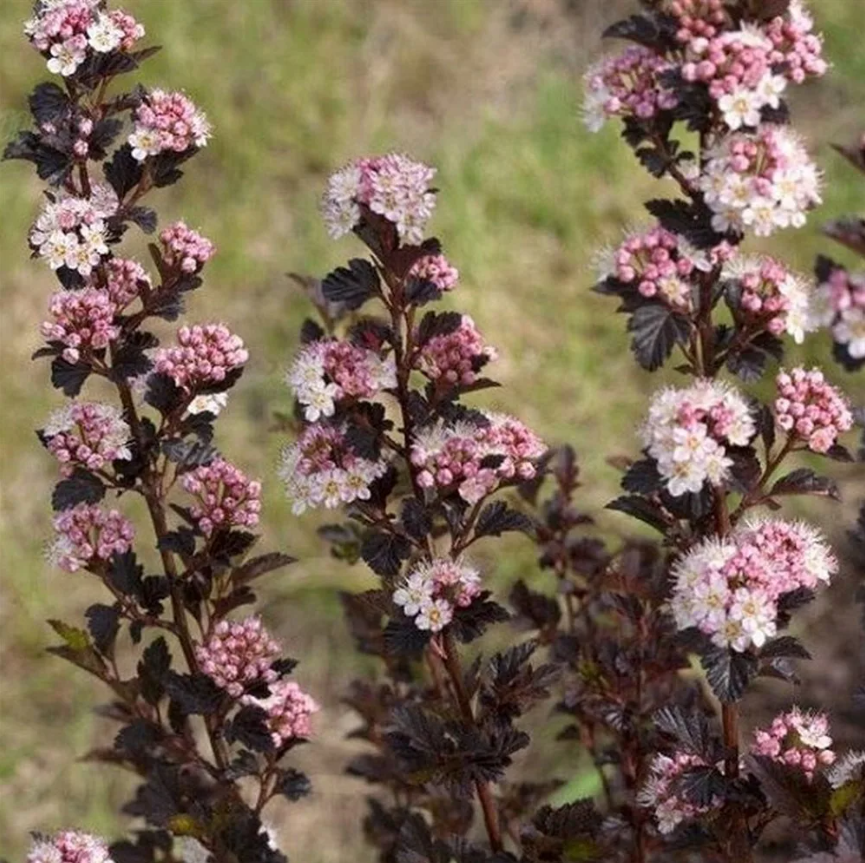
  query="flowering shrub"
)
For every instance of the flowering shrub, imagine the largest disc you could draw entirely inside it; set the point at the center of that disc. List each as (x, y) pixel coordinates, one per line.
(202, 700)
(648, 646)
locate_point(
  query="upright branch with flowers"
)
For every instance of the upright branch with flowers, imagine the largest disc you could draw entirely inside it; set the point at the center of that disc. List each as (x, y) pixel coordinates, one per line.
(700, 96)
(206, 712)
(384, 432)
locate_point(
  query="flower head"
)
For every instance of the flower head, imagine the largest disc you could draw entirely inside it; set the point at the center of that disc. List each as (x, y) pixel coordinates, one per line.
(660, 795)
(796, 739)
(89, 434)
(688, 431)
(289, 711)
(224, 497)
(238, 654)
(185, 248)
(455, 358)
(321, 468)
(433, 589)
(391, 186)
(328, 372)
(88, 535)
(167, 122)
(69, 846)
(811, 410)
(205, 354)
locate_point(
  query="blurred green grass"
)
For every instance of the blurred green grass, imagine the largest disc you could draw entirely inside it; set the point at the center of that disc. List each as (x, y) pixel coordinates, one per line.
(486, 90)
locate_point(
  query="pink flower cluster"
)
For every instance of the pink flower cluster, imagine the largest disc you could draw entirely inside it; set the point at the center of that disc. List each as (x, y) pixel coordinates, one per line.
(69, 846)
(320, 468)
(82, 320)
(71, 232)
(289, 711)
(659, 792)
(392, 186)
(225, 498)
(125, 279)
(797, 739)
(659, 262)
(433, 589)
(87, 535)
(185, 248)
(810, 409)
(238, 654)
(688, 430)
(167, 122)
(436, 269)
(841, 303)
(205, 354)
(328, 372)
(89, 434)
(748, 69)
(729, 588)
(455, 358)
(773, 296)
(67, 31)
(760, 182)
(452, 457)
(626, 85)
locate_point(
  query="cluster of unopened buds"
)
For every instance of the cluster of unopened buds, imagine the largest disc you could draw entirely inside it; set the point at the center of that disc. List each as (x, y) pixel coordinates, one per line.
(810, 409)
(328, 372)
(321, 468)
(124, 281)
(184, 248)
(69, 846)
(796, 739)
(437, 270)
(773, 296)
(433, 589)
(730, 588)
(627, 85)
(225, 498)
(841, 306)
(455, 358)
(688, 430)
(392, 186)
(83, 321)
(761, 181)
(71, 232)
(204, 355)
(748, 69)
(89, 434)
(660, 793)
(167, 122)
(460, 456)
(659, 262)
(289, 711)
(238, 654)
(87, 535)
(67, 32)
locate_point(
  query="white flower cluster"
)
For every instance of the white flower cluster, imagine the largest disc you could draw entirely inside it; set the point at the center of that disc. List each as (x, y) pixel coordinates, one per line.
(687, 432)
(320, 469)
(760, 182)
(327, 372)
(71, 232)
(393, 186)
(434, 588)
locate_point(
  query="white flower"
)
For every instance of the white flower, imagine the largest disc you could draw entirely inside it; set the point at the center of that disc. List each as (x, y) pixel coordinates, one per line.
(740, 108)
(104, 35)
(211, 404)
(320, 402)
(850, 331)
(756, 613)
(66, 57)
(847, 769)
(145, 142)
(435, 616)
(415, 594)
(762, 215)
(770, 88)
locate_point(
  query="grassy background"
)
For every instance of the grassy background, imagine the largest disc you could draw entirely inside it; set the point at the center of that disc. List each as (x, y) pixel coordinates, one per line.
(487, 90)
